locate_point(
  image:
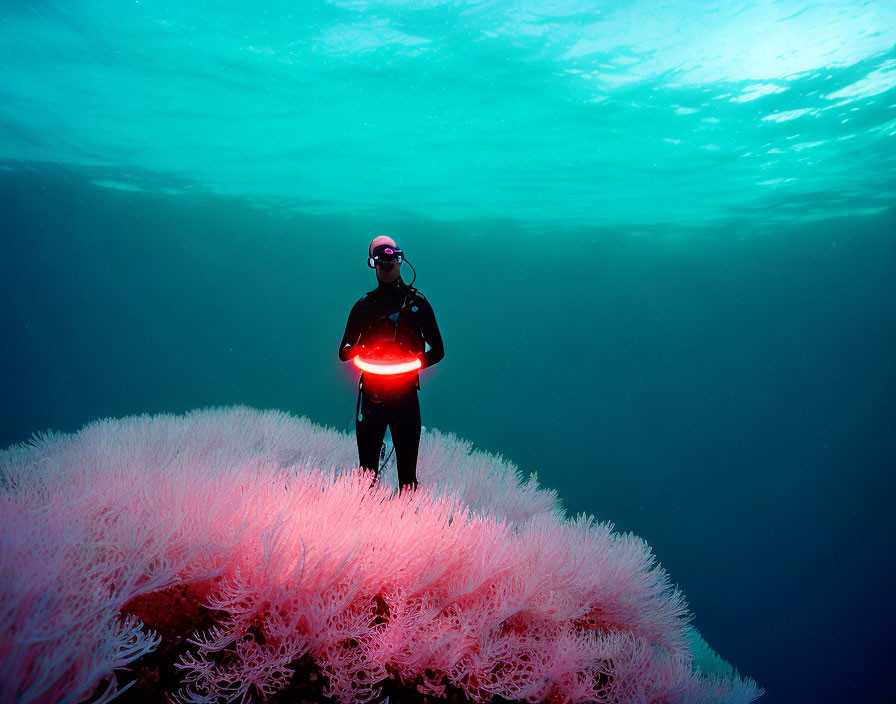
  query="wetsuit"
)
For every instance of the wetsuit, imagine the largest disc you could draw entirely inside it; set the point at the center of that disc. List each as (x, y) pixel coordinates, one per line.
(395, 318)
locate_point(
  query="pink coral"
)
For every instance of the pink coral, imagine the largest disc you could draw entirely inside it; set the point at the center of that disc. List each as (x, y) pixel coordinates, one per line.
(477, 580)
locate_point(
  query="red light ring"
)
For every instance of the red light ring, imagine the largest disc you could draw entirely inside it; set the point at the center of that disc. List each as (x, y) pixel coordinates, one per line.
(396, 368)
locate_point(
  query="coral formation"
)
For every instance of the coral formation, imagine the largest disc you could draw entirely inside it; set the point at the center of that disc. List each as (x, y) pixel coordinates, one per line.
(248, 549)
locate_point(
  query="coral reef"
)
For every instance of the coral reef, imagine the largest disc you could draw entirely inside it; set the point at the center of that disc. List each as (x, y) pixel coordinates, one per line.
(232, 555)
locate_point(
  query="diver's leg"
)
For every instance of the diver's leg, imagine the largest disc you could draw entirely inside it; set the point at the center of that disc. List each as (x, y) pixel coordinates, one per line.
(370, 428)
(405, 424)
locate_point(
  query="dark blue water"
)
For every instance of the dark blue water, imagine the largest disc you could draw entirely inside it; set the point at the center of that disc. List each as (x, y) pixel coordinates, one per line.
(729, 399)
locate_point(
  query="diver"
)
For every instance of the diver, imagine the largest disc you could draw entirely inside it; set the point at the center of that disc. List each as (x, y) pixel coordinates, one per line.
(386, 335)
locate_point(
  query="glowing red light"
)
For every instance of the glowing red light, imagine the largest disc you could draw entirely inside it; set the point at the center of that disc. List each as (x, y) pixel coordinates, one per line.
(392, 368)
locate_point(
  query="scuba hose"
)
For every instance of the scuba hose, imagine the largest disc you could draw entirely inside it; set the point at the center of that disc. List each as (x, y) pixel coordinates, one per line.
(415, 273)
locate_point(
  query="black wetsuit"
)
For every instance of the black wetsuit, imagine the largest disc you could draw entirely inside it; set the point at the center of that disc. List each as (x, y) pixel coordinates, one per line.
(397, 318)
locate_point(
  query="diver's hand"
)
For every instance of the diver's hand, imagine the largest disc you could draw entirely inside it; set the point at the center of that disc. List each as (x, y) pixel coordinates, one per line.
(349, 352)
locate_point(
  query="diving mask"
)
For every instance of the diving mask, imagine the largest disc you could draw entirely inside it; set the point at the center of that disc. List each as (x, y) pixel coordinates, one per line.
(385, 254)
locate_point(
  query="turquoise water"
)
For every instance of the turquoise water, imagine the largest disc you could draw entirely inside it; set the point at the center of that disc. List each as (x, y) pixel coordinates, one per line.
(657, 238)
(559, 114)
